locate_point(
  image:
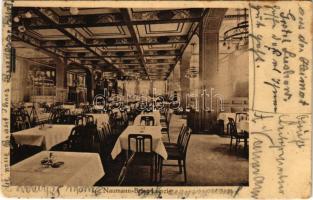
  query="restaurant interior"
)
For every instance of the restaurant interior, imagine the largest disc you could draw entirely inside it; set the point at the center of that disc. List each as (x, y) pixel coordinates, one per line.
(129, 96)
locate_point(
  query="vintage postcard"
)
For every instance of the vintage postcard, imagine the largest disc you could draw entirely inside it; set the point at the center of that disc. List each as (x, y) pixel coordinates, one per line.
(156, 99)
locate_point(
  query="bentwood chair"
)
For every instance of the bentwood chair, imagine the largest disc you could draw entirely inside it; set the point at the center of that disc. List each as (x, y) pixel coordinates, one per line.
(234, 135)
(241, 116)
(20, 121)
(178, 154)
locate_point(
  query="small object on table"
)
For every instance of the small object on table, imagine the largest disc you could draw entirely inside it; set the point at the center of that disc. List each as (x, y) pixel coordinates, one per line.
(57, 164)
(50, 161)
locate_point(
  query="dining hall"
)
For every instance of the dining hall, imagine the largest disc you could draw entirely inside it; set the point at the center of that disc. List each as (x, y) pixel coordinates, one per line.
(129, 96)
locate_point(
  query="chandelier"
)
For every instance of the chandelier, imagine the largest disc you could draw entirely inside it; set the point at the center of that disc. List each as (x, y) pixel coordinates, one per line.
(238, 35)
(18, 19)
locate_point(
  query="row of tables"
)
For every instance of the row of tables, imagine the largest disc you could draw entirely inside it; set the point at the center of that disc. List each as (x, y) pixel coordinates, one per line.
(242, 125)
(79, 168)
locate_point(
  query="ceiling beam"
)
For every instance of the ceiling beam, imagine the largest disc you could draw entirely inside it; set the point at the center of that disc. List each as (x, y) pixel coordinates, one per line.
(126, 54)
(127, 18)
(52, 18)
(36, 43)
(190, 35)
(51, 51)
(179, 39)
(103, 20)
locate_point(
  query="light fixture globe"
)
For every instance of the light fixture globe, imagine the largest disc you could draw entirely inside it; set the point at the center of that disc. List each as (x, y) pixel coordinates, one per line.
(16, 19)
(74, 11)
(28, 15)
(21, 29)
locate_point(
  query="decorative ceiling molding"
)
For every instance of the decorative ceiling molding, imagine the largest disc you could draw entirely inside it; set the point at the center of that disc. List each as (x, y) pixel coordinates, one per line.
(127, 18)
(112, 39)
(52, 18)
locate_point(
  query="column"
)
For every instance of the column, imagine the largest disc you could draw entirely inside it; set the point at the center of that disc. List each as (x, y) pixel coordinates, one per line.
(61, 79)
(184, 79)
(209, 51)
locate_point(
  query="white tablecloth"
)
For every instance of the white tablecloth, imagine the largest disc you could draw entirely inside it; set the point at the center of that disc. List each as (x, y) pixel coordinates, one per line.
(46, 137)
(224, 116)
(158, 146)
(101, 119)
(155, 114)
(98, 107)
(79, 169)
(243, 125)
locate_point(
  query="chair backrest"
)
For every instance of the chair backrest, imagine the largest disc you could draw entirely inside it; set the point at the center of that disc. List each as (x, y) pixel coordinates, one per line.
(140, 142)
(112, 118)
(102, 136)
(185, 141)
(231, 127)
(81, 139)
(181, 134)
(79, 120)
(149, 120)
(75, 140)
(169, 114)
(89, 120)
(241, 116)
(109, 128)
(21, 120)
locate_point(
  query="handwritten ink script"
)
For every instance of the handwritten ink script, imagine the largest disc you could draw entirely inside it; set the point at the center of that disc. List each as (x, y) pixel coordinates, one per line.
(281, 57)
(280, 128)
(5, 106)
(280, 68)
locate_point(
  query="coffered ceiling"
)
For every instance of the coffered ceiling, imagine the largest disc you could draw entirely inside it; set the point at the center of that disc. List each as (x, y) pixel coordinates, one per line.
(145, 43)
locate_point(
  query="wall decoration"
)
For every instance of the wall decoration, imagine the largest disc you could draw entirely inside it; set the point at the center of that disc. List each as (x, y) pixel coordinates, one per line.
(40, 75)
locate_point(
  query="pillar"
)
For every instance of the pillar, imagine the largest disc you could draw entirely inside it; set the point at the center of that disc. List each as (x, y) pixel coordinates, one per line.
(61, 80)
(184, 80)
(209, 51)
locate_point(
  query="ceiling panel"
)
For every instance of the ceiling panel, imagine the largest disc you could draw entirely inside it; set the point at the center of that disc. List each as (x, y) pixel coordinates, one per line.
(146, 41)
(104, 32)
(163, 29)
(85, 11)
(48, 34)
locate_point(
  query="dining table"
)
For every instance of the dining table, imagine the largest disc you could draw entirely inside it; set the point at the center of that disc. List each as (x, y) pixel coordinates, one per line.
(224, 117)
(74, 169)
(155, 114)
(157, 143)
(45, 136)
(101, 119)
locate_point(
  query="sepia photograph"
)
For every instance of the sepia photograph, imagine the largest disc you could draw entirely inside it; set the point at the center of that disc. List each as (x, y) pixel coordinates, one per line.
(129, 96)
